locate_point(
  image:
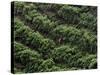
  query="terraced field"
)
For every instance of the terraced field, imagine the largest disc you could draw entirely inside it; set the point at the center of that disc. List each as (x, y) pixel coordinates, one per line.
(54, 37)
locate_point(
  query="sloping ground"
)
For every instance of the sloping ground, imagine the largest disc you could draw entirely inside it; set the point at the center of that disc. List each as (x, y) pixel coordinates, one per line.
(53, 37)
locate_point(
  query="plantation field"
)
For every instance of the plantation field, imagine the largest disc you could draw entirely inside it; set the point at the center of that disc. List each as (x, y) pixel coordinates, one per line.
(54, 37)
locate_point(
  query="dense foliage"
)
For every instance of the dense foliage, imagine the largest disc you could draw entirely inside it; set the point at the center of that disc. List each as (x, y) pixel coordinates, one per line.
(54, 37)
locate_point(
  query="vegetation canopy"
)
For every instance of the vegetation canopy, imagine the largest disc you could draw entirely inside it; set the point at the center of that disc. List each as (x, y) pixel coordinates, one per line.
(54, 37)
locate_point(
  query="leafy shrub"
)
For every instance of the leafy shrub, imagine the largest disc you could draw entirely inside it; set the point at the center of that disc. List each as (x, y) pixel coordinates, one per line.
(43, 24)
(70, 14)
(46, 65)
(18, 8)
(67, 34)
(41, 66)
(63, 54)
(84, 62)
(46, 48)
(24, 55)
(33, 66)
(89, 42)
(17, 23)
(87, 20)
(93, 64)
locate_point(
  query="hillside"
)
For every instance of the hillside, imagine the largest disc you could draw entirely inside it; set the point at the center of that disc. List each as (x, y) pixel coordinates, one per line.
(54, 37)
